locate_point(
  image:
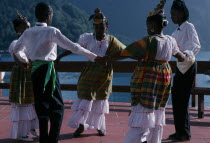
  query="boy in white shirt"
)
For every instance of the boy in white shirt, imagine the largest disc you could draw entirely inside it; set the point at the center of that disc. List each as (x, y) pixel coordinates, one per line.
(41, 44)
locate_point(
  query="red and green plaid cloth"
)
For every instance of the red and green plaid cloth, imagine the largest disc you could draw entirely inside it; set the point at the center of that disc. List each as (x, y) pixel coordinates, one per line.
(21, 89)
(95, 81)
(151, 80)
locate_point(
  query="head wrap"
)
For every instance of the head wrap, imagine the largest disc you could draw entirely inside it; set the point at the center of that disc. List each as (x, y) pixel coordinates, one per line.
(98, 17)
(20, 16)
(21, 20)
(158, 11)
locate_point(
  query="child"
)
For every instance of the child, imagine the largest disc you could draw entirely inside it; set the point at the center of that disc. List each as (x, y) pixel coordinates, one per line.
(41, 43)
(23, 115)
(95, 82)
(151, 80)
(188, 42)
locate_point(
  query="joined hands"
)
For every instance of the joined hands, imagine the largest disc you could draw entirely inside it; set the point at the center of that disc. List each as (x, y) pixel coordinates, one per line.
(102, 60)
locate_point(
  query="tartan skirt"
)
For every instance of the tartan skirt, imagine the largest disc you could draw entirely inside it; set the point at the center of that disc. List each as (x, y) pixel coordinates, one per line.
(95, 82)
(21, 89)
(151, 84)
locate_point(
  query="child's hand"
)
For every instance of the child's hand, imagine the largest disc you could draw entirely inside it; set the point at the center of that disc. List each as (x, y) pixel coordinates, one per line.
(129, 113)
(100, 60)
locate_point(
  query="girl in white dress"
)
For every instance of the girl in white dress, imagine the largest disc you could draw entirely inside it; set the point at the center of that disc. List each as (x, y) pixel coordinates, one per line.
(95, 82)
(23, 115)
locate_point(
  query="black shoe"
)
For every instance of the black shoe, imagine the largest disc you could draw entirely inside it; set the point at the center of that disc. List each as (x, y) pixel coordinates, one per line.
(79, 130)
(101, 132)
(184, 139)
(181, 139)
(172, 136)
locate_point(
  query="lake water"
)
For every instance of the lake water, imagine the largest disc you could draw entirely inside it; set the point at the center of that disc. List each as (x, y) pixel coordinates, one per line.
(119, 79)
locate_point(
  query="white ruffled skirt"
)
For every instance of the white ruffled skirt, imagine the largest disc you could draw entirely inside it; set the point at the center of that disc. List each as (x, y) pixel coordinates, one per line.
(141, 117)
(145, 124)
(24, 118)
(90, 113)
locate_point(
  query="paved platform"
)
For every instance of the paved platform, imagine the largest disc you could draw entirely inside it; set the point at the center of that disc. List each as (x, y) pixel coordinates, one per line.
(116, 123)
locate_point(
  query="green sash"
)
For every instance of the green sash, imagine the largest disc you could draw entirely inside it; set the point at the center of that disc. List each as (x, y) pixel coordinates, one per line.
(50, 72)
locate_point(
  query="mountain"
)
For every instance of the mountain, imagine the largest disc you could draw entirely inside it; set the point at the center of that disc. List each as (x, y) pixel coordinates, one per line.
(71, 20)
(127, 17)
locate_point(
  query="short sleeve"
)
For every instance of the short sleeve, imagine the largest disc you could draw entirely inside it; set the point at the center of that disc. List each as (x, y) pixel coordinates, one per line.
(136, 49)
(11, 47)
(84, 39)
(116, 45)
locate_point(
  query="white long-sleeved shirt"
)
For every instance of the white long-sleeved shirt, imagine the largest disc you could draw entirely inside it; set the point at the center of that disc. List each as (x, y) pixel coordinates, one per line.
(41, 43)
(11, 48)
(22, 52)
(187, 38)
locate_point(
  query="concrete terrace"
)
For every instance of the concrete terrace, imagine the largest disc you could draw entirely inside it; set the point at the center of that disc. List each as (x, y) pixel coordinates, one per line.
(116, 125)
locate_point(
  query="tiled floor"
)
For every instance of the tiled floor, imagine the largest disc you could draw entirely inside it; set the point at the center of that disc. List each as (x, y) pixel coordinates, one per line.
(116, 123)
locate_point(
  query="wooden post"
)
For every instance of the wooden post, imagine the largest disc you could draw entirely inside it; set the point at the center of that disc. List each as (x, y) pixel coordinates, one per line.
(193, 100)
(0, 81)
(193, 95)
(200, 105)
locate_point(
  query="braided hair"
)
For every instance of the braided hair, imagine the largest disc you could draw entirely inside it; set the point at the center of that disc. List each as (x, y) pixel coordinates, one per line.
(181, 6)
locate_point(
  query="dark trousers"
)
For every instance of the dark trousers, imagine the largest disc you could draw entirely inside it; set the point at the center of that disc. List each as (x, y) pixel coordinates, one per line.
(48, 107)
(182, 85)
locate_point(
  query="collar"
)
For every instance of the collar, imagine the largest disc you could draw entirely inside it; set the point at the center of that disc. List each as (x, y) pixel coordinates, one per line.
(41, 24)
(106, 37)
(159, 35)
(183, 25)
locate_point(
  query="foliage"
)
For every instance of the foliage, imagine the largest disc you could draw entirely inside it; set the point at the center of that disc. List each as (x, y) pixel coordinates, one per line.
(71, 20)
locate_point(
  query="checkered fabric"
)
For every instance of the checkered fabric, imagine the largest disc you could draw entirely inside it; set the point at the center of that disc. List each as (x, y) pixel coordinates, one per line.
(21, 89)
(95, 82)
(151, 80)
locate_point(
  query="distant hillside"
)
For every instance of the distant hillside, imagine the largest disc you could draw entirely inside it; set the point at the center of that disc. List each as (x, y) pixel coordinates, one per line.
(71, 20)
(127, 17)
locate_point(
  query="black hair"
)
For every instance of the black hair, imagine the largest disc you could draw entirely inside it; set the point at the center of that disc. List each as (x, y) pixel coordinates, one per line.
(159, 19)
(18, 22)
(181, 6)
(43, 10)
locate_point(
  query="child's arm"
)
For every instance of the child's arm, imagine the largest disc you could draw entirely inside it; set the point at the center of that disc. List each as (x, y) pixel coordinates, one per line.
(66, 53)
(180, 56)
(19, 62)
(18, 50)
(67, 44)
